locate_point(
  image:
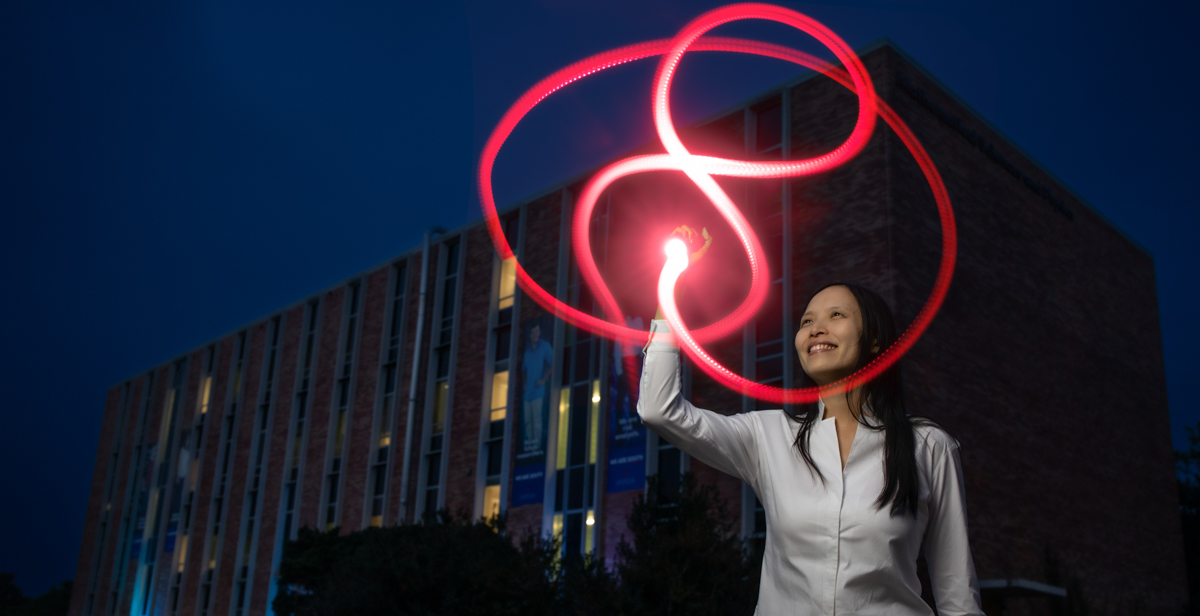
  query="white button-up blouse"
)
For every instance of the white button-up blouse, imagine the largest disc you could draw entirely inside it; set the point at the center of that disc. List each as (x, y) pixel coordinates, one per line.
(829, 550)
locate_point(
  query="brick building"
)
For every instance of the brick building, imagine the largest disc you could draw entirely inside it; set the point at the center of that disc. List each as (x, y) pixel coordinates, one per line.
(415, 385)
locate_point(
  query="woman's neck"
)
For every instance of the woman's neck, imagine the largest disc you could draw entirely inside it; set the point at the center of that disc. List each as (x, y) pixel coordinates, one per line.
(838, 406)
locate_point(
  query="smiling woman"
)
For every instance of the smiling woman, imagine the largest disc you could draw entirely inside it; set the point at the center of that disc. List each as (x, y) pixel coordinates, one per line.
(848, 517)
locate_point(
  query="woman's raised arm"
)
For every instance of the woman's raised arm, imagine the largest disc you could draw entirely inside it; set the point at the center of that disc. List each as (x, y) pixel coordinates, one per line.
(725, 442)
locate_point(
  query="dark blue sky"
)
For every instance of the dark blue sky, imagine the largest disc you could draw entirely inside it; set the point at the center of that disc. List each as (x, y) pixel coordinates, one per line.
(168, 173)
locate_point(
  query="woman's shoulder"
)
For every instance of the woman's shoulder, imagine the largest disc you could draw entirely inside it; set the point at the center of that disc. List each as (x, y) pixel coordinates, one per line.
(931, 438)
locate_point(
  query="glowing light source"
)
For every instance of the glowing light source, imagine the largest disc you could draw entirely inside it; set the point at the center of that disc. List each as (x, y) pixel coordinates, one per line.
(700, 170)
(677, 253)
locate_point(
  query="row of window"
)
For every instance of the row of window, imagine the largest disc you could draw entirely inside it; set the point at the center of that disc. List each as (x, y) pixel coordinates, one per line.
(164, 492)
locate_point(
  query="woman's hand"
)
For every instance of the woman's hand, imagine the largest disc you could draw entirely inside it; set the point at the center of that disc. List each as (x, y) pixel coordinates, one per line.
(689, 236)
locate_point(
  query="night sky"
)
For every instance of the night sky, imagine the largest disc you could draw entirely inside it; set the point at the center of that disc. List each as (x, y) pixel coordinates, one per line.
(170, 173)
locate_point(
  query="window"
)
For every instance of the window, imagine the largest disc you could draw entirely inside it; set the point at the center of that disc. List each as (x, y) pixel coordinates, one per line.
(101, 541)
(766, 338)
(191, 446)
(220, 492)
(133, 522)
(295, 452)
(442, 353)
(252, 502)
(159, 495)
(493, 447)
(384, 416)
(578, 424)
(343, 395)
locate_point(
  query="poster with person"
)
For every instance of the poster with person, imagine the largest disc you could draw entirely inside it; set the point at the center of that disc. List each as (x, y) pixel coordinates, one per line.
(626, 433)
(532, 401)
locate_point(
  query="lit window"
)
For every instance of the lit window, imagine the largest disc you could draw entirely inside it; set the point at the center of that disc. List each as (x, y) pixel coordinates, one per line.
(590, 534)
(595, 429)
(491, 502)
(183, 546)
(499, 395)
(439, 406)
(508, 282)
(206, 392)
(564, 406)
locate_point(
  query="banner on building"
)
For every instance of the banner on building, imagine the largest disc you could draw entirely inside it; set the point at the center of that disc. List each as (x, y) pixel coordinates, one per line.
(532, 401)
(626, 434)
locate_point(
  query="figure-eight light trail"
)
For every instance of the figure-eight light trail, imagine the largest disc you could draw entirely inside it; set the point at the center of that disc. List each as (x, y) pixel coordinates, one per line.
(700, 170)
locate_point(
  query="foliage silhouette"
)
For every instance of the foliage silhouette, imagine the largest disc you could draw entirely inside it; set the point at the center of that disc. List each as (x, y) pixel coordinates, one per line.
(684, 558)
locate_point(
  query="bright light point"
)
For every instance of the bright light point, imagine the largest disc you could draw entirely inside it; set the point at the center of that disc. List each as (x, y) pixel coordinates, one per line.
(591, 521)
(677, 251)
(595, 398)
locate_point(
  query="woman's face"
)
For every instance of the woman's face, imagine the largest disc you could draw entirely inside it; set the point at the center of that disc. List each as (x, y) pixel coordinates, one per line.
(828, 340)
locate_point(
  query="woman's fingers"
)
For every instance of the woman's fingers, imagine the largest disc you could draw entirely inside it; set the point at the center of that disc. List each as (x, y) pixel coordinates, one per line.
(690, 236)
(688, 233)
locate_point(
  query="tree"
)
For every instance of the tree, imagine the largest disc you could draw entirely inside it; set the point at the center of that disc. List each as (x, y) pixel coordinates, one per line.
(1187, 473)
(686, 557)
(11, 596)
(53, 602)
(446, 566)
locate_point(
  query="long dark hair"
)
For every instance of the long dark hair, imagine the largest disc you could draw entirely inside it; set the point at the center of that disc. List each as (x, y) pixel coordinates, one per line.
(884, 395)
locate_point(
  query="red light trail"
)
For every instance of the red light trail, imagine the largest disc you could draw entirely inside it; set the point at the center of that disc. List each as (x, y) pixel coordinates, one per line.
(700, 170)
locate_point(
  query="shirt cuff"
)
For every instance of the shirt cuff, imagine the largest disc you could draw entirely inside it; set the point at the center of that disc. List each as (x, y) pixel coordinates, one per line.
(661, 338)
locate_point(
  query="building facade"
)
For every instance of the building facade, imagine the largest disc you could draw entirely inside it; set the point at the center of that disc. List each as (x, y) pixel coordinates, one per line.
(432, 382)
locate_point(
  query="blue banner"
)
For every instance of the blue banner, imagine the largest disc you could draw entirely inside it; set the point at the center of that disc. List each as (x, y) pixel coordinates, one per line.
(531, 400)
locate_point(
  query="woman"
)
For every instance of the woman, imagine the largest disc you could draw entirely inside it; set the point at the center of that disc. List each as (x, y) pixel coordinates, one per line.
(853, 488)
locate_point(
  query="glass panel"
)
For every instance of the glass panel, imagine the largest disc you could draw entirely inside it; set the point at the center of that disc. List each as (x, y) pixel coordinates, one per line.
(452, 259)
(434, 470)
(340, 434)
(769, 323)
(508, 282)
(494, 453)
(769, 131)
(448, 299)
(575, 488)
(499, 395)
(207, 391)
(768, 370)
(491, 502)
(574, 539)
(183, 546)
(582, 350)
(443, 363)
(503, 342)
(564, 405)
(589, 538)
(442, 390)
(595, 422)
(580, 404)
